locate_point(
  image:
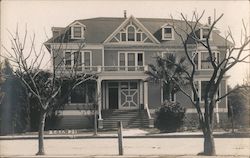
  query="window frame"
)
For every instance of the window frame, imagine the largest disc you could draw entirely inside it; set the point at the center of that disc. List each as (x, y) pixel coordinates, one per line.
(126, 60)
(162, 94)
(73, 60)
(73, 31)
(136, 32)
(163, 32)
(199, 90)
(201, 33)
(217, 54)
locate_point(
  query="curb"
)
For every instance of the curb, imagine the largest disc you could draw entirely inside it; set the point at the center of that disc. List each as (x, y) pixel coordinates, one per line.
(226, 135)
(126, 156)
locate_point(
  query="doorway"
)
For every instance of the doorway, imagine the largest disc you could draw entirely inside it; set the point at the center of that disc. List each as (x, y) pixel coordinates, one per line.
(113, 98)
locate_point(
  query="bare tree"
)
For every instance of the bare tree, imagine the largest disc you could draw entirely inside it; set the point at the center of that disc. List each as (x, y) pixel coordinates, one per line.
(44, 85)
(191, 41)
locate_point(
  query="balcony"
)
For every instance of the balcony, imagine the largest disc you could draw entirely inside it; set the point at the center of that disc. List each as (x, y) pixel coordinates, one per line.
(112, 70)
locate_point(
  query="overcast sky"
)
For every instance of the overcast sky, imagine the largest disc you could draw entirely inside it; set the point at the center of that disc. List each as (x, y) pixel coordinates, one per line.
(41, 15)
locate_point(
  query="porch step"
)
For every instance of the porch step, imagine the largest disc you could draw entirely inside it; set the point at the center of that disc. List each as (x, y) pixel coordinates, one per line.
(129, 118)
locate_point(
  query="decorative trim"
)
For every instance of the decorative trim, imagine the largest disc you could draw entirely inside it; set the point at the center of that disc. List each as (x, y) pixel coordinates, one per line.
(139, 25)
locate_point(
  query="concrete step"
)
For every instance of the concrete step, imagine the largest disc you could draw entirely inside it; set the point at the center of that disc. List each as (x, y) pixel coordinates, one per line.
(130, 118)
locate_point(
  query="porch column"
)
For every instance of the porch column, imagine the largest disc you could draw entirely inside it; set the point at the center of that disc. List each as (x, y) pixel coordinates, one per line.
(99, 102)
(151, 120)
(141, 92)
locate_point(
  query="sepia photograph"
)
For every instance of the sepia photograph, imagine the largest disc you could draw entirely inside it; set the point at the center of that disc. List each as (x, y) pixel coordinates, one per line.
(124, 78)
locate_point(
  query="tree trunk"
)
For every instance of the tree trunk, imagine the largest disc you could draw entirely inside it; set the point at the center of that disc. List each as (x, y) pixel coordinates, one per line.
(41, 134)
(209, 146)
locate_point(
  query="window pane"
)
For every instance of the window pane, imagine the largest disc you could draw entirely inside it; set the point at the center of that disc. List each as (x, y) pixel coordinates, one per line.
(205, 33)
(133, 85)
(131, 61)
(167, 32)
(86, 58)
(140, 59)
(77, 32)
(124, 85)
(203, 89)
(205, 61)
(68, 60)
(122, 61)
(138, 36)
(131, 33)
(123, 36)
(78, 60)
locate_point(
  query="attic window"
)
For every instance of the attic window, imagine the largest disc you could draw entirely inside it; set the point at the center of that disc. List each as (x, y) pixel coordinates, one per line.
(77, 32)
(167, 33)
(204, 33)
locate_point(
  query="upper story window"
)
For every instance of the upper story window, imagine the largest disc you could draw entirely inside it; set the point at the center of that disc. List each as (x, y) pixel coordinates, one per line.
(204, 33)
(201, 89)
(131, 34)
(202, 60)
(167, 32)
(77, 60)
(77, 30)
(131, 61)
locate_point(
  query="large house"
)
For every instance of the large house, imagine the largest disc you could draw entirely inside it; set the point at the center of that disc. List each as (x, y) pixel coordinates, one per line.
(118, 51)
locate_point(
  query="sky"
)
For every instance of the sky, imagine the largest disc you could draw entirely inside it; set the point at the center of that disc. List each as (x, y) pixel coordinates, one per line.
(40, 15)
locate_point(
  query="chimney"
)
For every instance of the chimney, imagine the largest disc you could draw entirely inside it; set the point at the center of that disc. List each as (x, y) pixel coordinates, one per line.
(209, 20)
(125, 13)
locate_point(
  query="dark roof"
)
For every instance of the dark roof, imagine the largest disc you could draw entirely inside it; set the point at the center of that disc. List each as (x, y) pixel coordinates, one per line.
(99, 29)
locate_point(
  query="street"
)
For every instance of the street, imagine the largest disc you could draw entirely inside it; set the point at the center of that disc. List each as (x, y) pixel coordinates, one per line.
(132, 146)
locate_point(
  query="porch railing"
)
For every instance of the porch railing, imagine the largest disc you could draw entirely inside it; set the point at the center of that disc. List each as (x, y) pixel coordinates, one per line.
(91, 69)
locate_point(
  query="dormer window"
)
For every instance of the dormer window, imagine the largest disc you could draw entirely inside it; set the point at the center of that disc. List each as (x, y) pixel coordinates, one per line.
(167, 32)
(77, 30)
(204, 33)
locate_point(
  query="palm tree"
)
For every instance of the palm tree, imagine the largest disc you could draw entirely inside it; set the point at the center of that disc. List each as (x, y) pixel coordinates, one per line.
(170, 70)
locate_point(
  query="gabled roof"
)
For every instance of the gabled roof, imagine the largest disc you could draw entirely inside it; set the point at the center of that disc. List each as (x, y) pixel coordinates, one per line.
(99, 29)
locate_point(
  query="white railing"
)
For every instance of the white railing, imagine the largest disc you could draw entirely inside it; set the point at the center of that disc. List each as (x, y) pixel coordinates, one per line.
(102, 69)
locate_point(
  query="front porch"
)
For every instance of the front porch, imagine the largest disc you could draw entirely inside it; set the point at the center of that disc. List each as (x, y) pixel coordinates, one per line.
(127, 96)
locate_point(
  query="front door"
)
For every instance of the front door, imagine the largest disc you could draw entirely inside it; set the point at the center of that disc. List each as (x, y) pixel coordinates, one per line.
(113, 97)
(129, 95)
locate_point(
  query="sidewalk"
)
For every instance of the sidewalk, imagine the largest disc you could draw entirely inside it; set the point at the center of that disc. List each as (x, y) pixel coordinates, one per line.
(127, 133)
(162, 156)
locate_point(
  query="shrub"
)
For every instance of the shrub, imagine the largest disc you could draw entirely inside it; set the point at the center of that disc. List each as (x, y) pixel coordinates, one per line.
(170, 117)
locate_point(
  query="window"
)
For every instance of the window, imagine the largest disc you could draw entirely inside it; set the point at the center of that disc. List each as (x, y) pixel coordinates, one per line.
(75, 60)
(167, 33)
(204, 33)
(77, 31)
(87, 60)
(201, 89)
(138, 36)
(123, 36)
(83, 93)
(131, 61)
(67, 60)
(122, 61)
(78, 61)
(131, 33)
(165, 94)
(205, 61)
